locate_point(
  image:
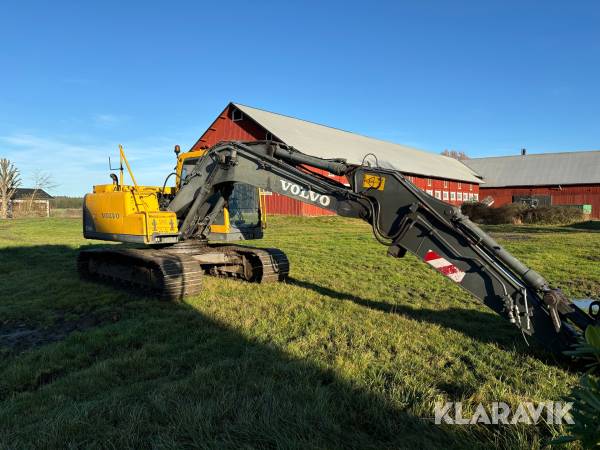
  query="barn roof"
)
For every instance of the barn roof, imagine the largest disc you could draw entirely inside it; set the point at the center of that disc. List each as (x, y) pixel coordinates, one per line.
(539, 170)
(23, 193)
(327, 142)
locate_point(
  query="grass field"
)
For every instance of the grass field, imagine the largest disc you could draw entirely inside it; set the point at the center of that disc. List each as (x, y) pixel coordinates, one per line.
(352, 352)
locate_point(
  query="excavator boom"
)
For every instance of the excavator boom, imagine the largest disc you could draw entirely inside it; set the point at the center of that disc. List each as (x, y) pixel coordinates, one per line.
(403, 217)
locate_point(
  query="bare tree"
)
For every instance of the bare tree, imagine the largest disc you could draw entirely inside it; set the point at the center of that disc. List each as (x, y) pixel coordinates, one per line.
(461, 156)
(42, 181)
(10, 179)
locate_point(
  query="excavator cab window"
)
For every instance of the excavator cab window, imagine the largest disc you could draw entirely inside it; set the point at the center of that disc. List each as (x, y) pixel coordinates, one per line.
(187, 167)
(243, 212)
(243, 206)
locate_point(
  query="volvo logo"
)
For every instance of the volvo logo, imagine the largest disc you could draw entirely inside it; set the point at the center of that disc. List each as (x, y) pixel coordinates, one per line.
(299, 191)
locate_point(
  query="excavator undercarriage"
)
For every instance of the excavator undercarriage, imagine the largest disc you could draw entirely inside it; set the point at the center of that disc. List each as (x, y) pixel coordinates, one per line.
(177, 271)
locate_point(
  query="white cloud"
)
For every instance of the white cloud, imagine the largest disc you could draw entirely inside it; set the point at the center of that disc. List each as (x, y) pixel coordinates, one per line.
(77, 163)
(109, 119)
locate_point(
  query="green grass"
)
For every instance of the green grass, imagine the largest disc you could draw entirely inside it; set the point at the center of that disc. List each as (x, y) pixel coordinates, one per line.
(352, 352)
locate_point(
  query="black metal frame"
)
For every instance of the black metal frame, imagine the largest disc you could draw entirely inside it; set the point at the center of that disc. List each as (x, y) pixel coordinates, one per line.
(402, 216)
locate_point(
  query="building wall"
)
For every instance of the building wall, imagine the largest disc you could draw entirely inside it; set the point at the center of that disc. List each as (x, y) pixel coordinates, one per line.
(565, 195)
(453, 192)
(225, 128)
(25, 208)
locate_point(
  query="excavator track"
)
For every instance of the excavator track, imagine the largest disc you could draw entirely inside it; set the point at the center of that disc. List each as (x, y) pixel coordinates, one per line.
(175, 272)
(156, 272)
(269, 265)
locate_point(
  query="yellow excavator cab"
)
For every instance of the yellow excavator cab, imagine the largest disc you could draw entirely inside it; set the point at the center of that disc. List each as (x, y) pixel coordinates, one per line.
(132, 213)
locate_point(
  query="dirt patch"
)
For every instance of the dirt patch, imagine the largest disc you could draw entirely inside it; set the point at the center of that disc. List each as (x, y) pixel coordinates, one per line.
(17, 337)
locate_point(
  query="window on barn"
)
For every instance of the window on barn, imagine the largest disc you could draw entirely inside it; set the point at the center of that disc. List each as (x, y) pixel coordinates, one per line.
(459, 196)
(445, 183)
(429, 183)
(445, 193)
(453, 196)
(237, 115)
(470, 187)
(429, 191)
(459, 185)
(476, 197)
(438, 195)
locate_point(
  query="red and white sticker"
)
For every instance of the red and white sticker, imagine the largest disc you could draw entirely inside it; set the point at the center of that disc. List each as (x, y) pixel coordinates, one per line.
(444, 266)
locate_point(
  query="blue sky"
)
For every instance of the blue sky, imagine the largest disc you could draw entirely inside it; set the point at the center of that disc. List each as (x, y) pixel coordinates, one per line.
(487, 78)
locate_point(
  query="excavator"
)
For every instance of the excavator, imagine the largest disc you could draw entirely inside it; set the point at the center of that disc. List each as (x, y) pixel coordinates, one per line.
(186, 231)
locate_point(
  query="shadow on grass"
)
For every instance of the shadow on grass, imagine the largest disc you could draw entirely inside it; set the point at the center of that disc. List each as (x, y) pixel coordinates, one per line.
(487, 328)
(590, 225)
(166, 375)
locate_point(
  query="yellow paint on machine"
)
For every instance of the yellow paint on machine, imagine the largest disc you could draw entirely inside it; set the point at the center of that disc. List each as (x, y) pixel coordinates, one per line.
(126, 210)
(371, 181)
(131, 213)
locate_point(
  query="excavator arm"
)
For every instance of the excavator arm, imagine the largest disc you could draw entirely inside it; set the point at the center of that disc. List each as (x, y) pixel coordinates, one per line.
(403, 218)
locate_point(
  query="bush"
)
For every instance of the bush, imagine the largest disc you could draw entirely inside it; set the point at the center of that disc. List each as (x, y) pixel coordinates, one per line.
(586, 396)
(477, 212)
(514, 213)
(481, 213)
(552, 215)
(511, 213)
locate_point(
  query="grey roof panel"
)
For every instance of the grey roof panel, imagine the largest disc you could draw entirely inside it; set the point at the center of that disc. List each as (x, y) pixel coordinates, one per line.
(326, 142)
(22, 193)
(539, 170)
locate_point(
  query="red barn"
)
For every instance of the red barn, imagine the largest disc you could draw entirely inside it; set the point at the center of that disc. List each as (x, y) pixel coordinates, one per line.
(543, 179)
(443, 177)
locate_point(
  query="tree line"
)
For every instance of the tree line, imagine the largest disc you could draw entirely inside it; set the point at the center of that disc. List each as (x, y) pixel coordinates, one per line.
(456, 154)
(66, 202)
